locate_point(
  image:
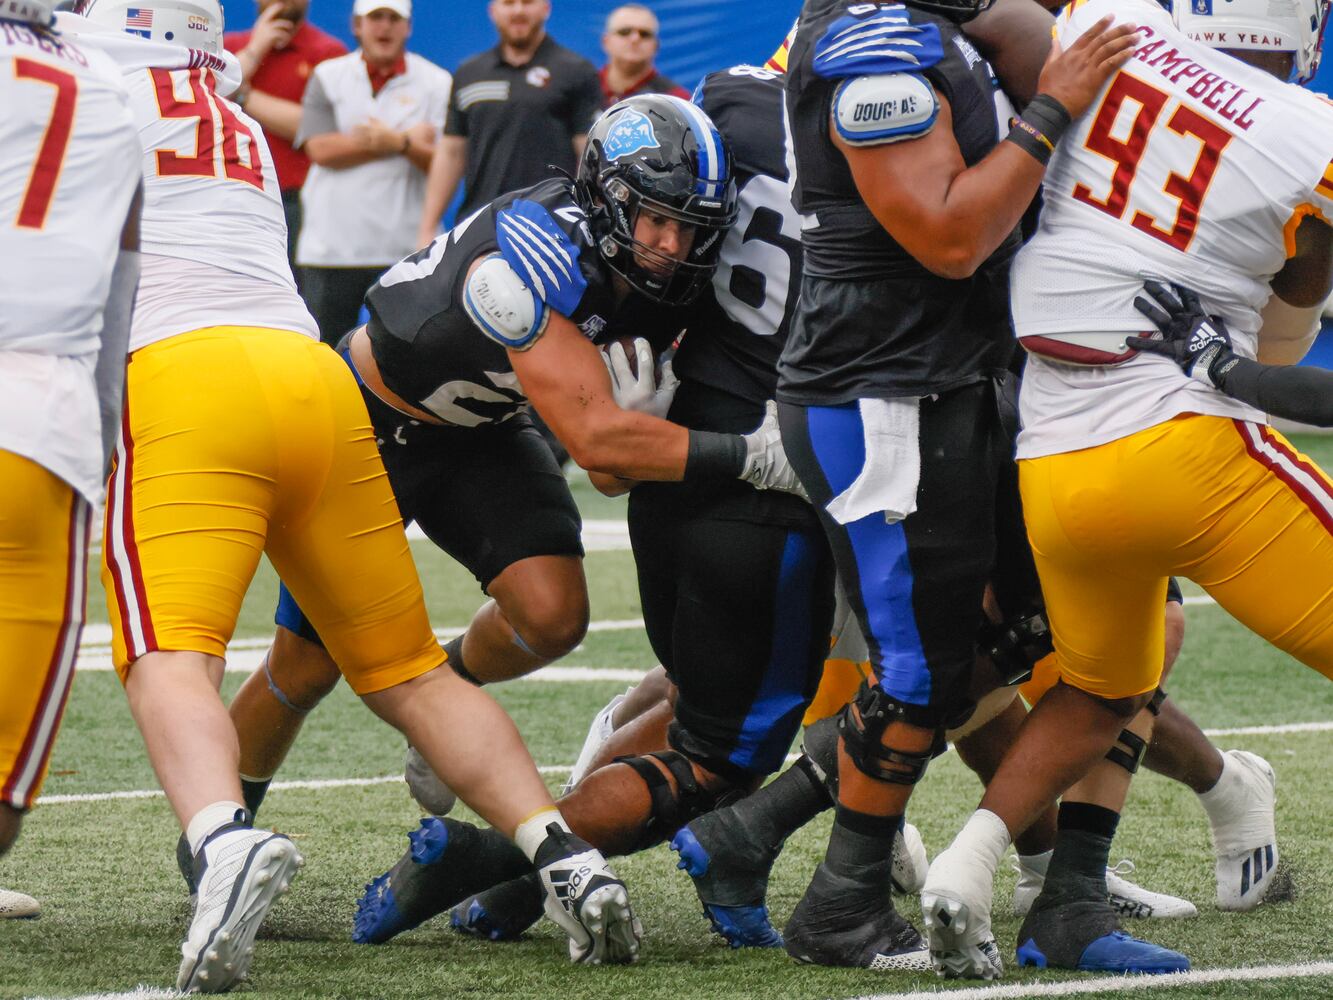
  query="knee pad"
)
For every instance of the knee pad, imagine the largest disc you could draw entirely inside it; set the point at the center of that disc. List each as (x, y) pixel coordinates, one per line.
(1128, 750)
(671, 807)
(863, 736)
(1016, 645)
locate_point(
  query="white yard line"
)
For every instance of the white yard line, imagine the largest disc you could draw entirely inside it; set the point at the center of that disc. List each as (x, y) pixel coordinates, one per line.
(1118, 984)
(388, 779)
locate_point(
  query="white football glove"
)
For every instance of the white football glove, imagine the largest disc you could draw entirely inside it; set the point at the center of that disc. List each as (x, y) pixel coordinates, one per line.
(642, 392)
(766, 466)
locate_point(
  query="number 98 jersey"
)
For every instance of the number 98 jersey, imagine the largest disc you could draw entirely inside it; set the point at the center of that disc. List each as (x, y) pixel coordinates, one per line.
(734, 341)
(1190, 166)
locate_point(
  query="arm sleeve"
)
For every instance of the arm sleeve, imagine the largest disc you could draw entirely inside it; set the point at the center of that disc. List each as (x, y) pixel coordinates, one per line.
(1301, 393)
(317, 114)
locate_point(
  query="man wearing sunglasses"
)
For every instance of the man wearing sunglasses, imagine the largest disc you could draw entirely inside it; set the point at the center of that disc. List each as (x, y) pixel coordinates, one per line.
(631, 42)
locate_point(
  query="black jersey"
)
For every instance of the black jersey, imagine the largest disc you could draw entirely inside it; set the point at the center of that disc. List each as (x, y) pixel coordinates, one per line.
(872, 320)
(742, 321)
(431, 352)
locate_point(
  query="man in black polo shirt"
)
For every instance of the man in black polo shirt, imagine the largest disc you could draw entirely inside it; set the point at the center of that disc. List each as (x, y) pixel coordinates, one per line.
(515, 109)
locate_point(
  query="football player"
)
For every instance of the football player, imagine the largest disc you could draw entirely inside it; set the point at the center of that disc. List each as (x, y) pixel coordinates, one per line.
(243, 435)
(1131, 470)
(69, 215)
(736, 583)
(888, 390)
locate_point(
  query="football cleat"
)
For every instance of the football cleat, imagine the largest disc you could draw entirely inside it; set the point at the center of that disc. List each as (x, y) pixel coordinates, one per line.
(430, 792)
(910, 862)
(1126, 898)
(847, 922)
(240, 872)
(1241, 813)
(503, 912)
(18, 906)
(185, 862)
(955, 906)
(599, 731)
(730, 872)
(1116, 952)
(586, 899)
(446, 861)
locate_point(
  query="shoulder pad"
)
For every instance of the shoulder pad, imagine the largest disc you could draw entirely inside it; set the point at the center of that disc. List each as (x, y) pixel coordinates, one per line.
(871, 110)
(880, 39)
(542, 254)
(502, 306)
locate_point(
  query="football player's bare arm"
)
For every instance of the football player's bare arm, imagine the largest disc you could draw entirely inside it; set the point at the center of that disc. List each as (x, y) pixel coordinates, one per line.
(1014, 35)
(280, 117)
(949, 216)
(1300, 289)
(446, 170)
(610, 486)
(564, 377)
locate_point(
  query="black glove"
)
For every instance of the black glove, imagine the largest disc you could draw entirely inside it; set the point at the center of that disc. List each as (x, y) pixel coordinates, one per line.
(1199, 343)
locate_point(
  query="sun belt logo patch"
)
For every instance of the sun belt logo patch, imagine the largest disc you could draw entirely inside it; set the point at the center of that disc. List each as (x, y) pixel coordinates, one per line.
(629, 133)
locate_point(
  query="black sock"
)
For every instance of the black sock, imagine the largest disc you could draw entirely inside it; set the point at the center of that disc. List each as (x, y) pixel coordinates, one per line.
(1082, 849)
(860, 841)
(454, 649)
(253, 793)
(784, 805)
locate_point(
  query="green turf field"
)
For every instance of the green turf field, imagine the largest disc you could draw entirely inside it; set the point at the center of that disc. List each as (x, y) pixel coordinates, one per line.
(115, 909)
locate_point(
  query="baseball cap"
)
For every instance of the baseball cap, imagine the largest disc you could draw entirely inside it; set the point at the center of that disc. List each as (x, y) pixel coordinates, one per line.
(403, 8)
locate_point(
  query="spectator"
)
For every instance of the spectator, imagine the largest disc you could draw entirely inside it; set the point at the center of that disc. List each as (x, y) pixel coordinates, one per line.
(517, 108)
(630, 41)
(277, 57)
(368, 123)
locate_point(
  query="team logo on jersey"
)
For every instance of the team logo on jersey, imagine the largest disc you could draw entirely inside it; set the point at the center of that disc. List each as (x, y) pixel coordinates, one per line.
(538, 76)
(593, 326)
(629, 133)
(1203, 8)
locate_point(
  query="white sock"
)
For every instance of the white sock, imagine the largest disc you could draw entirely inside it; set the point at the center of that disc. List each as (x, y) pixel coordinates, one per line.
(209, 820)
(1220, 801)
(1036, 864)
(986, 836)
(531, 833)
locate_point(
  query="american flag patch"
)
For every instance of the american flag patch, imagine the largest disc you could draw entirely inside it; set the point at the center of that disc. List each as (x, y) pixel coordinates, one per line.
(138, 17)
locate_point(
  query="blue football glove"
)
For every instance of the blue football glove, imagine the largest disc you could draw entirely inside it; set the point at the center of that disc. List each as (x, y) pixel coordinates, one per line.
(1199, 343)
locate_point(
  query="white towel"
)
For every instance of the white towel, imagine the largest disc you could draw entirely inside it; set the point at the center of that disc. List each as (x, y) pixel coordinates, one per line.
(888, 480)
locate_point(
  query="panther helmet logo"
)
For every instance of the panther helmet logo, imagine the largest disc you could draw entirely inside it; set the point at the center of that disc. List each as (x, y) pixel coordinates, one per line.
(630, 132)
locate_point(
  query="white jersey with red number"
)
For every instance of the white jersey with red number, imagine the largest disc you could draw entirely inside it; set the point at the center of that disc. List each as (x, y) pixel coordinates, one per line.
(69, 167)
(1189, 167)
(214, 235)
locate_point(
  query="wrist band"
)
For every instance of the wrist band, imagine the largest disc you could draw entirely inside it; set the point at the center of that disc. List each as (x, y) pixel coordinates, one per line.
(1040, 128)
(713, 455)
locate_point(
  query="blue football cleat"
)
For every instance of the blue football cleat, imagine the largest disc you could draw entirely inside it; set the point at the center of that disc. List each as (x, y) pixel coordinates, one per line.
(1116, 952)
(745, 925)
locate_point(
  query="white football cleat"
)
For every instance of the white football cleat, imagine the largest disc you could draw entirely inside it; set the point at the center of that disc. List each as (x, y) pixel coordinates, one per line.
(1126, 898)
(430, 792)
(955, 907)
(599, 731)
(1241, 813)
(910, 862)
(244, 872)
(586, 899)
(18, 906)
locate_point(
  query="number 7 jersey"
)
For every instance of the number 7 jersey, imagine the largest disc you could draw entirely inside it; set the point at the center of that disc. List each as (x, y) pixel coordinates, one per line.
(1191, 167)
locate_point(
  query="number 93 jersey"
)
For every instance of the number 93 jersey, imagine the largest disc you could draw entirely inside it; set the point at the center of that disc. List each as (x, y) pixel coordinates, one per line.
(69, 165)
(1190, 166)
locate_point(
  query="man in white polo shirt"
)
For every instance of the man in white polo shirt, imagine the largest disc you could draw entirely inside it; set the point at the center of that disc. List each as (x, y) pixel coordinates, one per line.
(369, 121)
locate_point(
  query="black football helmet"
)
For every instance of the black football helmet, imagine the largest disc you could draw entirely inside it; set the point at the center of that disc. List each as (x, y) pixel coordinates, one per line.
(658, 154)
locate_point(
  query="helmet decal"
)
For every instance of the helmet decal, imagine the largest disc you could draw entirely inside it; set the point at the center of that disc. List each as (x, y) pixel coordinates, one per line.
(631, 132)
